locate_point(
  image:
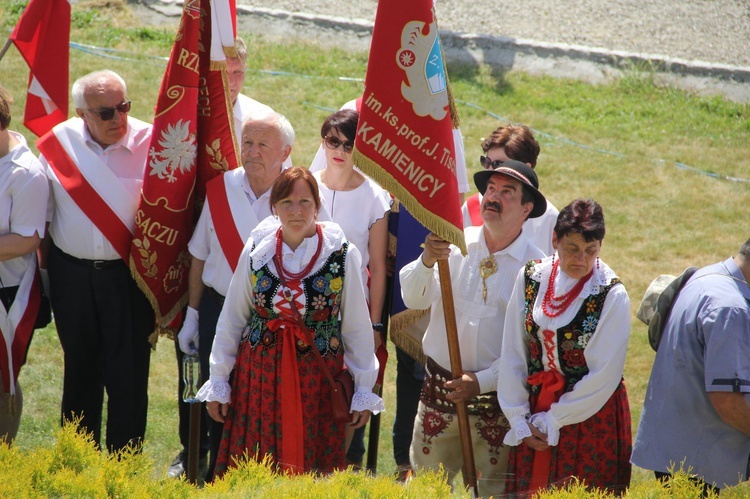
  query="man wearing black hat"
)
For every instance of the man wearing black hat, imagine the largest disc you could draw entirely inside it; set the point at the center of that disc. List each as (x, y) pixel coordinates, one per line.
(482, 282)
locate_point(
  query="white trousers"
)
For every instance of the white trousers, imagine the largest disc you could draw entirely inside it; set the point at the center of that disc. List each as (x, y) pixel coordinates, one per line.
(436, 441)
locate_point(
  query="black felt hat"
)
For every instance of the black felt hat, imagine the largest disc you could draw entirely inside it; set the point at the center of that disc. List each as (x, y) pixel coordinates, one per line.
(518, 171)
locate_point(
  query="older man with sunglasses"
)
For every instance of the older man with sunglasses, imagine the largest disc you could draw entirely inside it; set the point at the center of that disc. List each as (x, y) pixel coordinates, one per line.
(513, 142)
(95, 164)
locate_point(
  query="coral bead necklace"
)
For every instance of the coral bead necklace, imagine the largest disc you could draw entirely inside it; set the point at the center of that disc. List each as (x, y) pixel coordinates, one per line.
(306, 271)
(553, 305)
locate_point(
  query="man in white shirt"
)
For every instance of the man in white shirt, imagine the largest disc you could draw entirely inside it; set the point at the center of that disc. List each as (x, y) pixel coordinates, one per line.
(23, 209)
(95, 164)
(235, 203)
(482, 283)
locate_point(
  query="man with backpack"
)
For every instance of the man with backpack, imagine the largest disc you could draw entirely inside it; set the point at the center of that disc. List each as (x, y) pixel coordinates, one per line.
(697, 409)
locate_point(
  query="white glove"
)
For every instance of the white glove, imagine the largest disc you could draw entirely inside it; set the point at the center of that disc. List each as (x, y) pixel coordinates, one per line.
(45, 281)
(188, 335)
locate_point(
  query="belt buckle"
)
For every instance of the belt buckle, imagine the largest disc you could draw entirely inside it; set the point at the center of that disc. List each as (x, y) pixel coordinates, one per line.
(99, 264)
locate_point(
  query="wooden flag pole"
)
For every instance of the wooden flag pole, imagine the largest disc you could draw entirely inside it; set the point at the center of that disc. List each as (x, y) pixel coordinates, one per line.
(5, 48)
(446, 289)
(194, 442)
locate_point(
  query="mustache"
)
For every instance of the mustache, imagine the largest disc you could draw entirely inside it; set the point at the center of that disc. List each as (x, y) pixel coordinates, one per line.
(494, 205)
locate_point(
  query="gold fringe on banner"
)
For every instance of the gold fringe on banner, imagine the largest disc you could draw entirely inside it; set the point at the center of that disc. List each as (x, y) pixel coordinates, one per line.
(406, 330)
(230, 52)
(163, 320)
(217, 65)
(432, 222)
(455, 120)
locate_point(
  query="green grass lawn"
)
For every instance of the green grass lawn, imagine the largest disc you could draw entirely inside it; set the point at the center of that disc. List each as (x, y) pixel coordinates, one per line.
(618, 143)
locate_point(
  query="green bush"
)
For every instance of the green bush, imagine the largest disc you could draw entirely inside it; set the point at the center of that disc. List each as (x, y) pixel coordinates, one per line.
(72, 466)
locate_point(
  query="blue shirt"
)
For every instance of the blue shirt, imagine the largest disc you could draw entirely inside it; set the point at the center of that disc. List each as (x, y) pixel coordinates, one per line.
(705, 348)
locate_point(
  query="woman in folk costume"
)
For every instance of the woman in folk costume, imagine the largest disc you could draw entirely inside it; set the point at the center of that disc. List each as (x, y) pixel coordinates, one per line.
(279, 402)
(23, 210)
(560, 372)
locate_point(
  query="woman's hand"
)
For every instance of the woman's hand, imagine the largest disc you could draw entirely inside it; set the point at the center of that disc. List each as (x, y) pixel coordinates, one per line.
(360, 418)
(377, 338)
(217, 411)
(537, 440)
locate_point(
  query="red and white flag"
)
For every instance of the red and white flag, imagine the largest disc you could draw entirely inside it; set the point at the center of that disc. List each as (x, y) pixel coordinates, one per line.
(42, 36)
(192, 142)
(405, 133)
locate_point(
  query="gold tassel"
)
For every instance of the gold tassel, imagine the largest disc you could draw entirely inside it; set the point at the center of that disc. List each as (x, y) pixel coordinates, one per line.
(230, 52)
(402, 339)
(218, 65)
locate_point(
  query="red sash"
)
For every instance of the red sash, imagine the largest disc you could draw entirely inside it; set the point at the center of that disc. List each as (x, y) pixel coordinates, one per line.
(221, 214)
(475, 210)
(552, 385)
(85, 196)
(21, 337)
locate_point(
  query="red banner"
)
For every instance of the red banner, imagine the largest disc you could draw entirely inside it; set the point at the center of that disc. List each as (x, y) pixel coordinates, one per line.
(42, 36)
(192, 142)
(405, 133)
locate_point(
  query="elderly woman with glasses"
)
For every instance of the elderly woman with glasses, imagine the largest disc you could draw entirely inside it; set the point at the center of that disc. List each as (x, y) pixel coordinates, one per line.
(360, 206)
(560, 378)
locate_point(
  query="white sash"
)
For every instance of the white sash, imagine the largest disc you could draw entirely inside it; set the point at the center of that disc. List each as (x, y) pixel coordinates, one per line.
(9, 319)
(242, 213)
(106, 184)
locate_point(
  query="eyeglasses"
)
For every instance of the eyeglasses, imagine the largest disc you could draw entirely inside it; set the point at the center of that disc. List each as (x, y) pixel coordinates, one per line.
(108, 113)
(334, 143)
(490, 165)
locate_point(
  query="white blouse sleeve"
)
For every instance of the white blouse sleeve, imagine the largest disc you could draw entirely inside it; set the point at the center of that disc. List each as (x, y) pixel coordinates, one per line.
(605, 357)
(512, 366)
(232, 321)
(419, 284)
(356, 333)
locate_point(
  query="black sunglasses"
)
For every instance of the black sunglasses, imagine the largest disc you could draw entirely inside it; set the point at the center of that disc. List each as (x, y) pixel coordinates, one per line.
(334, 143)
(490, 165)
(108, 113)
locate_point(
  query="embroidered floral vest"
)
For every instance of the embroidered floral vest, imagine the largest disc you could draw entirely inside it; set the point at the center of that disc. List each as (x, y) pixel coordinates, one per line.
(571, 339)
(322, 303)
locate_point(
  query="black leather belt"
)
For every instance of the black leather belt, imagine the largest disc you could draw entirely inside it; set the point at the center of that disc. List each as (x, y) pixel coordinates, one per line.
(94, 264)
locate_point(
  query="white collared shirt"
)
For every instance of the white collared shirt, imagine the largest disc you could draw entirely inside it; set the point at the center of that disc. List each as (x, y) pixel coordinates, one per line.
(23, 201)
(70, 228)
(204, 245)
(479, 324)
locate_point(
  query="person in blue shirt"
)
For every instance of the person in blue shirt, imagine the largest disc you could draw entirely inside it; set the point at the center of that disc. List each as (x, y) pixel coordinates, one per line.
(697, 409)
